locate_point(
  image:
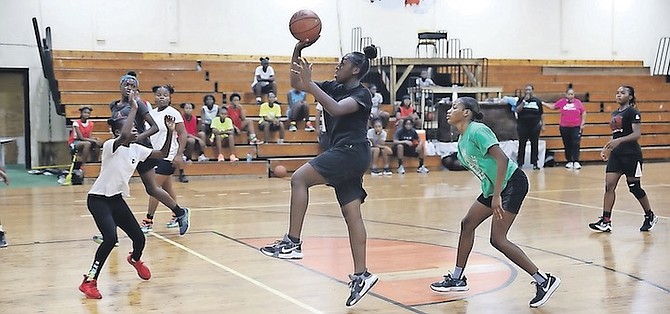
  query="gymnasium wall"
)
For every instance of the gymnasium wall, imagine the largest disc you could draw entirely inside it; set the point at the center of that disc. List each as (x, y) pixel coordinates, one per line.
(511, 29)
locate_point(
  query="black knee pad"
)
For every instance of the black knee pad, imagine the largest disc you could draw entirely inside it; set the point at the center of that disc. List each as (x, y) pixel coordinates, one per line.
(635, 188)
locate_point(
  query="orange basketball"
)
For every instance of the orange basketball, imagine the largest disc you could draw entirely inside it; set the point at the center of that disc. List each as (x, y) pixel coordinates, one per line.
(280, 171)
(304, 25)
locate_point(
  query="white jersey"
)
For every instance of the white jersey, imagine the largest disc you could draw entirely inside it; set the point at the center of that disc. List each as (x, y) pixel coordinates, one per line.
(263, 74)
(117, 168)
(207, 115)
(158, 139)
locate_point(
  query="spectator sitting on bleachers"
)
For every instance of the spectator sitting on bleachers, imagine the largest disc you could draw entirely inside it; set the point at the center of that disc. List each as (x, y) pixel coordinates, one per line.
(406, 111)
(377, 138)
(223, 129)
(264, 80)
(424, 81)
(193, 141)
(376, 111)
(81, 140)
(298, 110)
(270, 112)
(406, 143)
(209, 112)
(240, 121)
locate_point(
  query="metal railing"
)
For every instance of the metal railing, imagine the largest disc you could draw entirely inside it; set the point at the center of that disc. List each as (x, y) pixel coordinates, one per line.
(662, 62)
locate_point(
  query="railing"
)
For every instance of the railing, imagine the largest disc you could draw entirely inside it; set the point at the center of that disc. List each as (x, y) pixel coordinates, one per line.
(356, 34)
(662, 63)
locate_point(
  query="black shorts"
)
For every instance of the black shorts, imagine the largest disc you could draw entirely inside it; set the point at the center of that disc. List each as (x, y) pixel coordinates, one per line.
(273, 126)
(265, 88)
(324, 141)
(408, 150)
(164, 167)
(512, 195)
(147, 165)
(630, 165)
(343, 168)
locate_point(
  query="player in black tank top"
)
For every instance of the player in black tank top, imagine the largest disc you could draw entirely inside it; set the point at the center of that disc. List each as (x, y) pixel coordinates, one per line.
(624, 156)
(347, 106)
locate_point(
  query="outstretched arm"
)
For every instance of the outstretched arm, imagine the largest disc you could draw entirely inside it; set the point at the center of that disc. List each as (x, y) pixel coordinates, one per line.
(295, 60)
(165, 150)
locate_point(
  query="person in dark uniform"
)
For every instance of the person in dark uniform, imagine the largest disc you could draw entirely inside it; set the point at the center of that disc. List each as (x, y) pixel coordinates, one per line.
(347, 104)
(624, 157)
(120, 157)
(530, 122)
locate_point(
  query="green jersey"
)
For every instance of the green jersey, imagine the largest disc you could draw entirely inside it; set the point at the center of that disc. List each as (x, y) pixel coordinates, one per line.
(473, 147)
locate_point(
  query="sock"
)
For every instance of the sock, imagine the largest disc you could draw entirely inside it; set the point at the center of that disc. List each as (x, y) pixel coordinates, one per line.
(151, 217)
(646, 213)
(399, 162)
(363, 273)
(539, 277)
(77, 164)
(420, 162)
(607, 216)
(178, 210)
(293, 239)
(181, 172)
(458, 273)
(1, 230)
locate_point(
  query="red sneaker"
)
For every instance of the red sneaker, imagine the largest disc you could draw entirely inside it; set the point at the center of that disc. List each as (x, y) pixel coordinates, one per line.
(142, 270)
(90, 288)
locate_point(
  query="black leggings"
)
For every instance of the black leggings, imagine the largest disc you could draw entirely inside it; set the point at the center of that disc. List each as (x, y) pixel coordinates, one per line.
(528, 131)
(571, 141)
(109, 213)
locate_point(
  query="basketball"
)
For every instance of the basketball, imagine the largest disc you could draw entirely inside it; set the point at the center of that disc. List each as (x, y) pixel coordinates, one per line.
(280, 171)
(304, 25)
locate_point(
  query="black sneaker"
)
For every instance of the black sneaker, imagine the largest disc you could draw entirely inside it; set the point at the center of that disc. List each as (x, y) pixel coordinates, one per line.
(184, 221)
(284, 249)
(3, 240)
(601, 225)
(183, 178)
(545, 290)
(450, 284)
(360, 285)
(649, 222)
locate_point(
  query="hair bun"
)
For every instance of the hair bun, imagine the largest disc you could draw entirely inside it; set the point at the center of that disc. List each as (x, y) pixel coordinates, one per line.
(479, 116)
(132, 73)
(370, 51)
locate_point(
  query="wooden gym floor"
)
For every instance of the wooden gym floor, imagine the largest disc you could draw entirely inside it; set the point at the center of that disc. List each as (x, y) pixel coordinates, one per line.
(412, 222)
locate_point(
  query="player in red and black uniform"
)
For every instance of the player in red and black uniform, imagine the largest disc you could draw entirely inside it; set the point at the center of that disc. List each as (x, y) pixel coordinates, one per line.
(624, 156)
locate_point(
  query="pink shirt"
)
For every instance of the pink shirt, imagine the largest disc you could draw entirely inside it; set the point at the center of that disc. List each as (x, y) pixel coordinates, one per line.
(571, 113)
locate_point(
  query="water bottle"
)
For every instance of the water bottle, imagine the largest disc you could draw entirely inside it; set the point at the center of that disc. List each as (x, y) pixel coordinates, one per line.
(249, 157)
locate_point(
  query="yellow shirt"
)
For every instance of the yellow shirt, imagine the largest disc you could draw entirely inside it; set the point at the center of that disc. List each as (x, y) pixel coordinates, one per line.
(222, 126)
(270, 112)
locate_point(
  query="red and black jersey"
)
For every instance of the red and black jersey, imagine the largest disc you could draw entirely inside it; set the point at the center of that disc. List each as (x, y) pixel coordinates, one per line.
(622, 125)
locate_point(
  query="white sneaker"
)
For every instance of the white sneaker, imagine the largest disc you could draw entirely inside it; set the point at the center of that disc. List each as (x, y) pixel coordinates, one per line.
(202, 158)
(422, 169)
(401, 170)
(569, 165)
(576, 165)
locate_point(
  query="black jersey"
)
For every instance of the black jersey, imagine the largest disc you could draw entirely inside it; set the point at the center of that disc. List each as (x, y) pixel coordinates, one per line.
(350, 128)
(120, 112)
(531, 112)
(622, 125)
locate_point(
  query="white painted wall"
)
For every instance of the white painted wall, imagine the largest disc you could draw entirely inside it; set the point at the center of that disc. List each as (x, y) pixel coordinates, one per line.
(515, 29)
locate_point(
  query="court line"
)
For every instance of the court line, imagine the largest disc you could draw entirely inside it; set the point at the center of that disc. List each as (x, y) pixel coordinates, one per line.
(586, 206)
(236, 273)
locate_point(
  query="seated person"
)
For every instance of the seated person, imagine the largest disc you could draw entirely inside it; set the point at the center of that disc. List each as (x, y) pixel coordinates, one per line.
(223, 130)
(298, 110)
(377, 138)
(270, 112)
(376, 111)
(407, 111)
(424, 81)
(264, 80)
(209, 112)
(81, 140)
(240, 121)
(322, 135)
(194, 143)
(406, 143)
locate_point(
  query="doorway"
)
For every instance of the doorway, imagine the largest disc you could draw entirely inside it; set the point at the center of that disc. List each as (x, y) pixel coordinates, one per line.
(15, 116)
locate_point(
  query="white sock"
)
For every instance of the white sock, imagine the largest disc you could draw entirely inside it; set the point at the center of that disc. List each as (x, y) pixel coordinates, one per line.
(1, 230)
(540, 277)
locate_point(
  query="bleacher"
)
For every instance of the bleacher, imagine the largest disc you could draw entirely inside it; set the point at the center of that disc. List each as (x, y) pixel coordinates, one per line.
(92, 78)
(599, 79)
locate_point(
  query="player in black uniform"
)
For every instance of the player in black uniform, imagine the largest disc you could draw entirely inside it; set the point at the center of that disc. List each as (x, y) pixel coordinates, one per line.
(624, 156)
(346, 105)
